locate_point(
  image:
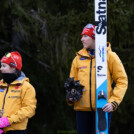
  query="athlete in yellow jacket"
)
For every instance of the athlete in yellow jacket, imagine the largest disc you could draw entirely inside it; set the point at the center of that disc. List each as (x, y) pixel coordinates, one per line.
(17, 95)
(83, 69)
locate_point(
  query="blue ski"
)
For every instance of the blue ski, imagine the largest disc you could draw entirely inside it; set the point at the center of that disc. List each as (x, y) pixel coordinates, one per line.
(101, 65)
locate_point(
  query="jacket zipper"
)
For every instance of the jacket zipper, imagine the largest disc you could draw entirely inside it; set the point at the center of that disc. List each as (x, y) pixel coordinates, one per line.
(5, 98)
(90, 84)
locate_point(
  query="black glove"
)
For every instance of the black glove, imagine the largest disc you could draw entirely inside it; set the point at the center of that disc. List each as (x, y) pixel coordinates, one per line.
(73, 90)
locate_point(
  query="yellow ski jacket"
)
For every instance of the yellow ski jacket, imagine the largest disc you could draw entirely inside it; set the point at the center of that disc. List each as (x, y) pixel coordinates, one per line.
(83, 69)
(18, 103)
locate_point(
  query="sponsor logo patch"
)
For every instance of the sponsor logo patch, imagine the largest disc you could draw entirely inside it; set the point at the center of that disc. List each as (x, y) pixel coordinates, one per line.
(12, 97)
(15, 91)
(83, 67)
(2, 89)
(17, 86)
(102, 53)
(83, 58)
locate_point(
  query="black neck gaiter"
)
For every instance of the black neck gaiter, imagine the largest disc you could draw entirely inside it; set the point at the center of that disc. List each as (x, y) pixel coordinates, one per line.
(10, 77)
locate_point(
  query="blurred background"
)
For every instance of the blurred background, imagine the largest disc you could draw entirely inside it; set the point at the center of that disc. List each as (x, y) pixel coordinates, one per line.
(47, 34)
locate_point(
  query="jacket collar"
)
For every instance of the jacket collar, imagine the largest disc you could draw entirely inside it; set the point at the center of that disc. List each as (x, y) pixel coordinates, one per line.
(83, 52)
(19, 80)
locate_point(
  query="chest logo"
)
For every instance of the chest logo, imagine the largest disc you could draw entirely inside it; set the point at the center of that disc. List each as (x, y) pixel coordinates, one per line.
(83, 58)
(83, 67)
(2, 89)
(17, 86)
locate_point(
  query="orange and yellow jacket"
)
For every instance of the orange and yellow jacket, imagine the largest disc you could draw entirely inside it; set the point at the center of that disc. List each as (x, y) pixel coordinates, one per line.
(83, 69)
(18, 102)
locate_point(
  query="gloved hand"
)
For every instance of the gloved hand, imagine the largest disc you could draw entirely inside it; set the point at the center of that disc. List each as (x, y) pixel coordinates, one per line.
(73, 90)
(4, 122)
(1, 131)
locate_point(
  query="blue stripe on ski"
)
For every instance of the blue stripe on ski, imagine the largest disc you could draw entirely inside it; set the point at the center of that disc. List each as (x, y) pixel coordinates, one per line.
(103, 87)
(99, 104)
